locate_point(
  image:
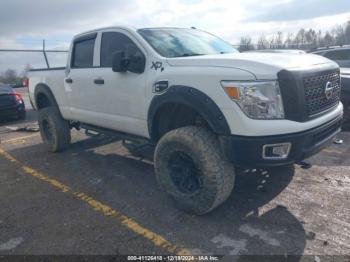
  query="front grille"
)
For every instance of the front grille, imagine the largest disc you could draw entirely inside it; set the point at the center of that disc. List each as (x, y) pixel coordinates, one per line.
(315, 91)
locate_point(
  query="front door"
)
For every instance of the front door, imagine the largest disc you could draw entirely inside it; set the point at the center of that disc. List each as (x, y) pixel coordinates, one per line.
(121, 95)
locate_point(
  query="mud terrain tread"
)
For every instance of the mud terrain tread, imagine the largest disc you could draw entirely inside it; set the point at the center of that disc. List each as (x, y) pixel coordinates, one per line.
(61, 130)
(217, 170)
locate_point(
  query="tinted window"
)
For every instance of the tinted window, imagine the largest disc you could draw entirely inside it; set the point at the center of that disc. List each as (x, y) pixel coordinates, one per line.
(338, 55)
(83, 53)
(113, 42)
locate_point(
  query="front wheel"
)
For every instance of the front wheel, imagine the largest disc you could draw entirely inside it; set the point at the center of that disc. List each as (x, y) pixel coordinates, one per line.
(191, 168)
(54, 130)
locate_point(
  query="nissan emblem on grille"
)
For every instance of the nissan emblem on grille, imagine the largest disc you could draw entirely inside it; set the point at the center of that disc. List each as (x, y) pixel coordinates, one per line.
(329, 90)
(322, 91)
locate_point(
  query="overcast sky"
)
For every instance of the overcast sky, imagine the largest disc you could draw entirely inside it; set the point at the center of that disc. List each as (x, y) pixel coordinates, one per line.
(23, 24)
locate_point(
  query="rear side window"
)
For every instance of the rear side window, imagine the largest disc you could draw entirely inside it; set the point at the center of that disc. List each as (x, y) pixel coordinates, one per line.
(83, 53)
(113, 42)
(338, 54)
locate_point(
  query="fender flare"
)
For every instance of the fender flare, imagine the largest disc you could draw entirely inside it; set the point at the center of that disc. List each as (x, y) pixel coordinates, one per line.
(193, 98)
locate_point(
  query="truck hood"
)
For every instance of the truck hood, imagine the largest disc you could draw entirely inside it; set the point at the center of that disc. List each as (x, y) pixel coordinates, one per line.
(262, 65)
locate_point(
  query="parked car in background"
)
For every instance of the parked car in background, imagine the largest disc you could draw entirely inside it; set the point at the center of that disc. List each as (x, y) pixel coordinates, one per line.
(341, 55)
(16, 85)
(11, 103)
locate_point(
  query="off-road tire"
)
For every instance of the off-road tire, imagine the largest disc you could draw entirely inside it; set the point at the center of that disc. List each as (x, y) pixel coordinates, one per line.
(54, 130)
(216, 174)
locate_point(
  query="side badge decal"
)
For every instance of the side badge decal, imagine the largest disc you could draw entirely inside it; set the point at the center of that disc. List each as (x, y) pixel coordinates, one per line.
(157, 65)
(160, 86)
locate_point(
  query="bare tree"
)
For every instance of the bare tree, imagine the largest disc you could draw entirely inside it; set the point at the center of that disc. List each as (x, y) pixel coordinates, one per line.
(271, 41)
(288, 42)
(303, 39)
(347, 33)
(300, 38)
(245, 44)
(10, 76)
(262, 42)
(320, 41)
(339, 35)
(328, 39)
(311, 38)
(279, 40)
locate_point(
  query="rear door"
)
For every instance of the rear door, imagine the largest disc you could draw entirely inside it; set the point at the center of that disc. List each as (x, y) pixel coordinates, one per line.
(79, 83)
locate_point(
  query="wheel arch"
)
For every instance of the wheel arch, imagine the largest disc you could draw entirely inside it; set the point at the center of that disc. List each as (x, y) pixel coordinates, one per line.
(192, 99)
(44, 97)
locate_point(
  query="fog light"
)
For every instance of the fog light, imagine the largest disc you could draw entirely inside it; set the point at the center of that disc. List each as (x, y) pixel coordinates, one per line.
(276, 151)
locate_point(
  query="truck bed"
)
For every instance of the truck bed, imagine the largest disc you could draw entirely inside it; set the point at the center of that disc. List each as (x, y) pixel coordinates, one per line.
(51, 77)
(47, 69)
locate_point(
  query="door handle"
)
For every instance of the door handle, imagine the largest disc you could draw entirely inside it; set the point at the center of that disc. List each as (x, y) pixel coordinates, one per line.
(99, 81)
(69, 80)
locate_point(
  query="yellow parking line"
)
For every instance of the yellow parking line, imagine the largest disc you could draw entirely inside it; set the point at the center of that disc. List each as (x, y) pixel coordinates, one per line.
(332, 151)
(18, 139)
(156, 239)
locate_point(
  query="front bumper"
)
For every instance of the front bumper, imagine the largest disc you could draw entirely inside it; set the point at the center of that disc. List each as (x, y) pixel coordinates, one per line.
(248, 151)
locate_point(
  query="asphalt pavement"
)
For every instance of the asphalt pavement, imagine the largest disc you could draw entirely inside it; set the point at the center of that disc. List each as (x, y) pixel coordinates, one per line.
(101, 197)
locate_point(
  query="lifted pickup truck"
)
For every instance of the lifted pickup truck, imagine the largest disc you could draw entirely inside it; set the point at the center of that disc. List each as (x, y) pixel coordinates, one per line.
(206, 107)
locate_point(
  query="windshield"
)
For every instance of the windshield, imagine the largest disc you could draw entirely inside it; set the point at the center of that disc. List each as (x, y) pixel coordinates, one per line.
(176, 42)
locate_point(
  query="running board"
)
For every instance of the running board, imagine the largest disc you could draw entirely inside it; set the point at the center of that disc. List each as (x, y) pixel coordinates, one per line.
(94, 131)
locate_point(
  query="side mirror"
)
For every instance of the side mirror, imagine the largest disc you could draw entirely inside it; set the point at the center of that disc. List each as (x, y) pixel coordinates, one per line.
(119, 62)
(136, 64)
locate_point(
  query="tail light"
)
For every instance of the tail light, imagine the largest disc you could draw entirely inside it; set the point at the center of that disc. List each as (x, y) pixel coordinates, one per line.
(18, 97)
(26, 82)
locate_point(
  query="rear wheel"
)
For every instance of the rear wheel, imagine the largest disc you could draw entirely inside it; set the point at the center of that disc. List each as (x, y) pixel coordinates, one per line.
(54, 130)
(191, 168)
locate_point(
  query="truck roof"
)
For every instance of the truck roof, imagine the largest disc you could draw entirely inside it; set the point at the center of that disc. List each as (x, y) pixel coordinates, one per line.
(127, 27)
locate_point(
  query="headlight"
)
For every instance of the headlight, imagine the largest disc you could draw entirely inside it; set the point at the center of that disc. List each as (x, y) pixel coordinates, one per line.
(259, 100)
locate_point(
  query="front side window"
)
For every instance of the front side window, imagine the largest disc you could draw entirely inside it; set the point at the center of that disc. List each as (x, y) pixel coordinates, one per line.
(177, 42)
(83, 53)
(116, 42)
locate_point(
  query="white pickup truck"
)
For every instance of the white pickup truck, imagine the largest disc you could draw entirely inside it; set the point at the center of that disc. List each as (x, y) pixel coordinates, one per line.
(206, 107)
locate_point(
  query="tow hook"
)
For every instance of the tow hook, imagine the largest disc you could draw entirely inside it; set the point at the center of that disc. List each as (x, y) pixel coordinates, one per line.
(304, 165)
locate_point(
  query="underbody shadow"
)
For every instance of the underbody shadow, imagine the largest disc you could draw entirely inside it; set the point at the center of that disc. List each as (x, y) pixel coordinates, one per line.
(246, 224)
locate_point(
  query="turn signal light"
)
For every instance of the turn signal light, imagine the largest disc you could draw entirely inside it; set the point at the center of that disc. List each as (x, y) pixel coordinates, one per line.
(233, 92)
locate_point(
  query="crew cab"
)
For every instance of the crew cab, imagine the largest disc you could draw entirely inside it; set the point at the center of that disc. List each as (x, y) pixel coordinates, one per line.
(206, 107)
